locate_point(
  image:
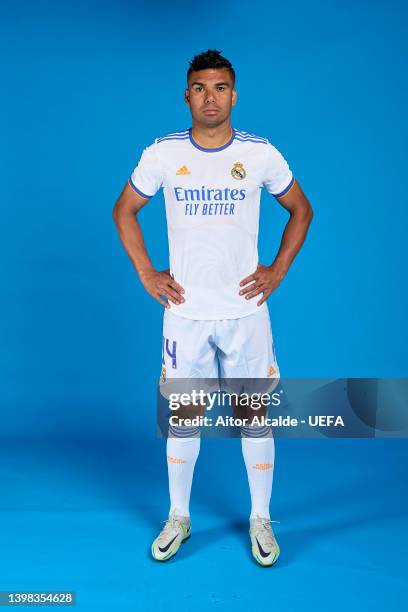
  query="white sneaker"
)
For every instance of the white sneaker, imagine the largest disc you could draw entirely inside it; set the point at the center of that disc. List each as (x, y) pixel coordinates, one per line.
(264, 545)
(176, 530)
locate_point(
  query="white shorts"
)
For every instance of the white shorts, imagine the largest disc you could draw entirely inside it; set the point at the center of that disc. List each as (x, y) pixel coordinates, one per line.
(229, 348)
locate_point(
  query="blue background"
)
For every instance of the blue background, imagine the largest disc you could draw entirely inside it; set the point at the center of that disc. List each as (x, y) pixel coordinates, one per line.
(88, 86)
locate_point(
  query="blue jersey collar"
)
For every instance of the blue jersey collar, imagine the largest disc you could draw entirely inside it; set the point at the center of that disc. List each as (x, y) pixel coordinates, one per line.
(211, 150)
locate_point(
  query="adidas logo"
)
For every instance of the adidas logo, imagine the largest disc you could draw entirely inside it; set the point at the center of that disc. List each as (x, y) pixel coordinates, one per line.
(183, 170)
(271, 371)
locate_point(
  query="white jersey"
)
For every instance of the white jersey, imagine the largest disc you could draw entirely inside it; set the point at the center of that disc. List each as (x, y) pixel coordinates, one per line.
(212, 199)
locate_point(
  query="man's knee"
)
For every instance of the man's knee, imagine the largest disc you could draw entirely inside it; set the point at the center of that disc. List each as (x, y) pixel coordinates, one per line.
(183, 432)
(254, 432)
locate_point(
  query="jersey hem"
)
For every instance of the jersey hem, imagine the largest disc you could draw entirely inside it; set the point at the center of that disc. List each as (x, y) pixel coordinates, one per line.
(213, 318)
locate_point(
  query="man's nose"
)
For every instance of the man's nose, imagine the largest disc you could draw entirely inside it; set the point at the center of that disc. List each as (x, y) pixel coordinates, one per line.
(209, 97)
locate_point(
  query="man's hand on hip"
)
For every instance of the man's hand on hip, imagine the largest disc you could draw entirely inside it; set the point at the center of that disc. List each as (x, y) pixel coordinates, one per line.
(265, 280)
(160, 284)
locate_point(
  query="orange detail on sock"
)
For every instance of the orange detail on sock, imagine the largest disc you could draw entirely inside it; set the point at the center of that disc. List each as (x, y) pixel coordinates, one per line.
(175, 459)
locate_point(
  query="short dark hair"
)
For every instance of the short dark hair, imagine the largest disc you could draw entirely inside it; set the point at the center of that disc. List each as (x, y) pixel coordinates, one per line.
(210, 59)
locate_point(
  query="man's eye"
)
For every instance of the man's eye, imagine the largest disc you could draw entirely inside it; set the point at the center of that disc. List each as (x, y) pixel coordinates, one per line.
(198, 88)
(221, 88)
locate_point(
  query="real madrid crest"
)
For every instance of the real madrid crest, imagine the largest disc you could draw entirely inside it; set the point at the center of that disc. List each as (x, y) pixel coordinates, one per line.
(238, 171)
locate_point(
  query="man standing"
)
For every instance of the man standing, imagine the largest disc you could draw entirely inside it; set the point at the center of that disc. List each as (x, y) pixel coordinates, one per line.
(215, 292)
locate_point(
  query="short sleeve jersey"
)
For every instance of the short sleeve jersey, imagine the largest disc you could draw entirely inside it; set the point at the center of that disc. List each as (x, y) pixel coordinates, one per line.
(212, 199)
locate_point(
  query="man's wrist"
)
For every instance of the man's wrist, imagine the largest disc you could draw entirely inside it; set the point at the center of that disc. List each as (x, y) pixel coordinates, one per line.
(144, 270)
(280, 267)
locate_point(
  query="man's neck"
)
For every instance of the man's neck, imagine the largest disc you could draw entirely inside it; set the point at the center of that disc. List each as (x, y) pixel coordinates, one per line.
(211, 137)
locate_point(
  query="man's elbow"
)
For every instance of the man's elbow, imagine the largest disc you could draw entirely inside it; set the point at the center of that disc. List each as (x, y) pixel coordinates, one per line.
(309, 214)
(116, 212)
(304, 213)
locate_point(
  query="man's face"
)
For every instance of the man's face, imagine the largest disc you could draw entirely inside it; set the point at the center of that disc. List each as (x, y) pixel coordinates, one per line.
(210, 95)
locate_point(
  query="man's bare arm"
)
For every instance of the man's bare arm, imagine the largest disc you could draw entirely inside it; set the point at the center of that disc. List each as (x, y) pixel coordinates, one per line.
(267, 278)
(156, 283)
(301, 215)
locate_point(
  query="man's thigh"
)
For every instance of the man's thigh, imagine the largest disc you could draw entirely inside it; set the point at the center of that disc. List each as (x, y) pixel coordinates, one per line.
(188, 350)
(248, 363)
(246, 348)
(189, 360)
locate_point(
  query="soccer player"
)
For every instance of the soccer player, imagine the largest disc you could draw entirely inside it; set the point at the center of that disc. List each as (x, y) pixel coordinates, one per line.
(215, 292)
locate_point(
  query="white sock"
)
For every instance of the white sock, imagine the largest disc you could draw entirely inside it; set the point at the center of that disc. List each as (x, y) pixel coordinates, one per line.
(259, 457)
(182, 454)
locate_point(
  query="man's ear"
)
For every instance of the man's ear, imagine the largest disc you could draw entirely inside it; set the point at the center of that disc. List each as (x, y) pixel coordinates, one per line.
(234, 97)
(186, 96)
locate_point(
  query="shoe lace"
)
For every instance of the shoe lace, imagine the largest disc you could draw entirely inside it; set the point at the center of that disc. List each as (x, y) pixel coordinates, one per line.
(267, 523)
(171, 524)
(265, 531)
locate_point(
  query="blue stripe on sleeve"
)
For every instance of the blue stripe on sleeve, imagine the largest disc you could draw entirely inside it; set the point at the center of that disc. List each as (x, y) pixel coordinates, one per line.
(138, 190)
(278, 195)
